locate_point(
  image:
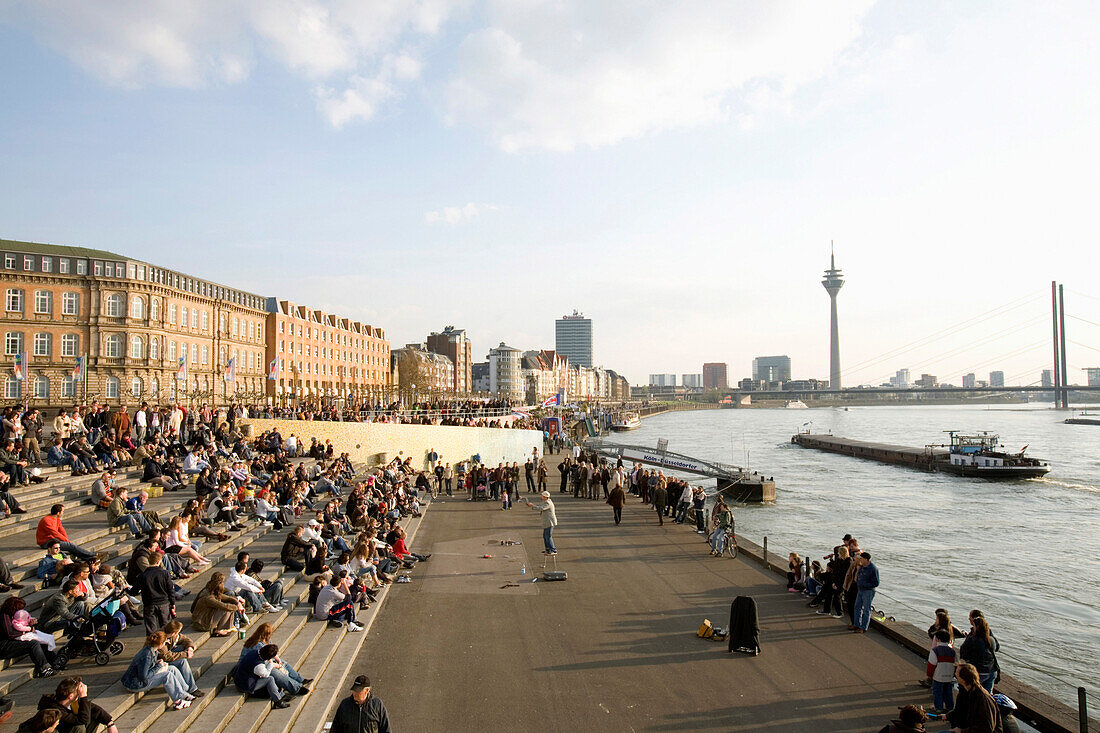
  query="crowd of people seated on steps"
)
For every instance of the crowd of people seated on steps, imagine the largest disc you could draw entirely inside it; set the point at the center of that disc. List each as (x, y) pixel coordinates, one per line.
(342, 532)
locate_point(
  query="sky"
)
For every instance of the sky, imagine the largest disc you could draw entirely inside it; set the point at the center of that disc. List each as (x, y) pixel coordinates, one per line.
(674, 170)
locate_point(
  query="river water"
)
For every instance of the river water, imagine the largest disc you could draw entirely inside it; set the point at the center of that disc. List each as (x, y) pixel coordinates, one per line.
(1024, 552)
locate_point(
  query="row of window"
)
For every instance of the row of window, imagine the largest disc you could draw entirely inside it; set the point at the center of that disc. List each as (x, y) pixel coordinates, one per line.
(326, 370)
(323, 352)
(43, 302)
(342, 339)
(40, 387)
(42, 345)
(102, 268)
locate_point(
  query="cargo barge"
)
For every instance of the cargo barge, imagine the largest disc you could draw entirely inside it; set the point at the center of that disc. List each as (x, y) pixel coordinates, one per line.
(970, 455)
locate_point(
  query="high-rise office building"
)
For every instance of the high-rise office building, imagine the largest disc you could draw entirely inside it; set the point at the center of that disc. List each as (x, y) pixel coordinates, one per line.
(716, 375)
(506, 372)
(1047, 377)
(662, 380)
(1093, 376)
(573, 339)
(772, 369)
(969, 381)
(833, 282)
(692, 381)
(902, 379)
(996, 379)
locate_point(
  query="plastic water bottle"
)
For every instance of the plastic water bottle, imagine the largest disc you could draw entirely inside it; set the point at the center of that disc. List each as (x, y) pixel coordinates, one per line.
(524, 571)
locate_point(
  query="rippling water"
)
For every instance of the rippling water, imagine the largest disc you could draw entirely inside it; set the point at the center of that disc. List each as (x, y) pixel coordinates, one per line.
(1024, 552)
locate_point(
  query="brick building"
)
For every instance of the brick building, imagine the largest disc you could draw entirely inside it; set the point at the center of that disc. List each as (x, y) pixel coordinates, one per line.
(323, 358)
(453, 344)
(133, 320)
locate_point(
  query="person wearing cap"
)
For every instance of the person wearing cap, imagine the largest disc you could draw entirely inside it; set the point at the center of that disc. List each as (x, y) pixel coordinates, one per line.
(361, 712)
(549, 521)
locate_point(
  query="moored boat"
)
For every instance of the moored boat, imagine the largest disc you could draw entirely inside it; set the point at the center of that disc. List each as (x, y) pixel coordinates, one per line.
(626, 421)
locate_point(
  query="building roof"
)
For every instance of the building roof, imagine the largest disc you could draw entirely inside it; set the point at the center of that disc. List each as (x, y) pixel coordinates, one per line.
(59, 249)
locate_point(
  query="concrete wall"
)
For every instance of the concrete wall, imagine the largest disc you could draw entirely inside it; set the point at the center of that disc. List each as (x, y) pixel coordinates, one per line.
(365, 441)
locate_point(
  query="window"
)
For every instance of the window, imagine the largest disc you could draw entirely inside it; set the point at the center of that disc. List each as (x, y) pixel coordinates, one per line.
(206, 320)
(63, 266)
(13, 343)
(154, 349)
(68, 387)
(112, 346)
(47, 264)
(137, 307)
(9, 262)
(172, 351)
(133, 272)
(97, 269)
(113, 305)
(137, 387)
(109, 269)
(236, 323)
(42, 344)
(112, 388)
(141, 272)
(13, 388)
(183, 316)
(70, 304)
(221, 323)
(194, 354)
(137, 347)
(70, 342)
(172, 314)
(28, 263)
(251, 330)
(205, 354)
(154, 309)
(14, 300)
(41, 387)
(82, 267)
(43, 302)
(154, 389)
(194, 318)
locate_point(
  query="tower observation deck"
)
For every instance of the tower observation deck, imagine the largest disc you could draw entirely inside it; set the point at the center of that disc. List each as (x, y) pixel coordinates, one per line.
(833, 281)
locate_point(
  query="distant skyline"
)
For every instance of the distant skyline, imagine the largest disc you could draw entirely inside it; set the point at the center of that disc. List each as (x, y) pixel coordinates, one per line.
(675, 172)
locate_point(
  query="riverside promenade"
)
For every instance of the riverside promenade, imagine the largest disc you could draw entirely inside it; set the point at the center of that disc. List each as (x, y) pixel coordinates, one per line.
(614, 647)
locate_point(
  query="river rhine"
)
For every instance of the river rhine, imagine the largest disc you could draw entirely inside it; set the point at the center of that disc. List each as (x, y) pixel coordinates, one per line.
(1024, 552)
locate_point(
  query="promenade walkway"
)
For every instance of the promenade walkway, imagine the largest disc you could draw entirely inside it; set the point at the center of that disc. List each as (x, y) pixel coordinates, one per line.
(614, 647)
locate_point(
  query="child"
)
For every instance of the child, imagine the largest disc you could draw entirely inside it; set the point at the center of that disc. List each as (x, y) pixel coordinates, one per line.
(22, 621)
(505, 500)
(941, 670)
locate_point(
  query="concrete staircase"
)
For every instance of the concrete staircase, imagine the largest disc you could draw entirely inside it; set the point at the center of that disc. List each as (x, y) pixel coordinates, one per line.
(313, 648)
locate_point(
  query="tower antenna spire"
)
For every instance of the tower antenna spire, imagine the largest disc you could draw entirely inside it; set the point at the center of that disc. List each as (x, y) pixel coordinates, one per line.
(833, 281)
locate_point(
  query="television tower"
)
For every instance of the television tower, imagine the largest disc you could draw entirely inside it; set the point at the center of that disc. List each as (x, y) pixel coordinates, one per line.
(833, 282)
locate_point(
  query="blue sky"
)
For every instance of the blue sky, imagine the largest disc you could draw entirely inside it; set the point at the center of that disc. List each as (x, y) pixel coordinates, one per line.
(675, 170)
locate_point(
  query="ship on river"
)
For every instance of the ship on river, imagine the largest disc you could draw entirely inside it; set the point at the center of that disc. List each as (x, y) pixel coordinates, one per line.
(979, 455)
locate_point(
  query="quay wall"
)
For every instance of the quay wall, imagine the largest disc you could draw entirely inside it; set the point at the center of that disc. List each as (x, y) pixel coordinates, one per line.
(1040, 710)
(374, 443)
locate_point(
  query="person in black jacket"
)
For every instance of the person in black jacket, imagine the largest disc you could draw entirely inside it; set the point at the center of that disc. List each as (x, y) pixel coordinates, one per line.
(361, 712)
(744, 630)
(979, 648)
(975, 711)
(157, 599)
(75, 711)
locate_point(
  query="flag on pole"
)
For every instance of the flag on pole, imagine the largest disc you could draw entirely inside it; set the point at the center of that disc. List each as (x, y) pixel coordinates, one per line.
(552, 401)
(231, 370)
(181, 369)
(273, 369)
(78, 368)
(17, 365)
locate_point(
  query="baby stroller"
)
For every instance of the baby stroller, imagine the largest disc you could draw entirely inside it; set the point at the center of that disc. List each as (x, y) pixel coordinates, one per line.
(96, 633)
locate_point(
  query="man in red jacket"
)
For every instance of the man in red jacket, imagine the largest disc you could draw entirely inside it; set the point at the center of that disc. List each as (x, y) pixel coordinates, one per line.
(50, 528)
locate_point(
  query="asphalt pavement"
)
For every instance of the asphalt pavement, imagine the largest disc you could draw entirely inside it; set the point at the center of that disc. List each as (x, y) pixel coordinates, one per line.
(471, 644)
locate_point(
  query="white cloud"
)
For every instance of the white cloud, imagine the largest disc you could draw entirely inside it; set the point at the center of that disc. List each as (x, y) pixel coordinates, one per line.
(458, 214)
(572, 73)
(354, 53)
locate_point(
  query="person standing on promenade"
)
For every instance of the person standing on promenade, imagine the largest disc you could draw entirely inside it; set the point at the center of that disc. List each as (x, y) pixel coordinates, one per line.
(361, 712)
(563, 469)
(549, 521)
(979, 649)
(541, 473)
(660, 499)
(529, 475)
(617, 499)
(685, 501)
(867, 582)
(699, 501)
